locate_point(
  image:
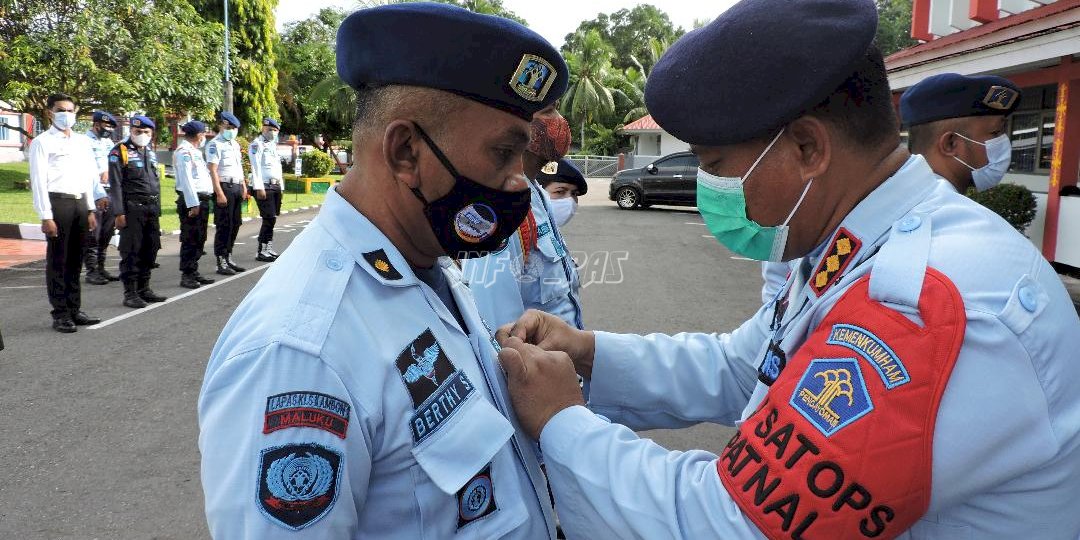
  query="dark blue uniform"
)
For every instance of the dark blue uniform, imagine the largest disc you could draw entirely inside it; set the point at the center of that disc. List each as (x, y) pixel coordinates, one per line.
(136, 193)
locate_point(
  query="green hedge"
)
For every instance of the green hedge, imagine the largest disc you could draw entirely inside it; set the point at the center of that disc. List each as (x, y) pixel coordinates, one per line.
(317, 164)
(1013, 202)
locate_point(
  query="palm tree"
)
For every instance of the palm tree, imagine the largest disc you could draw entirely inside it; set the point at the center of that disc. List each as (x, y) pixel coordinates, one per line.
(339, 97)
(590, 91)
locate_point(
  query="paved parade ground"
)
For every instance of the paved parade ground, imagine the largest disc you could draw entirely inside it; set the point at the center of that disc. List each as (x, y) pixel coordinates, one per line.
(99, 428)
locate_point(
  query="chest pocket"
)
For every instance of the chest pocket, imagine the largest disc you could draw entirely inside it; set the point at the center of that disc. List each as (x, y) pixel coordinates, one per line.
(465, 478)
(551, 276)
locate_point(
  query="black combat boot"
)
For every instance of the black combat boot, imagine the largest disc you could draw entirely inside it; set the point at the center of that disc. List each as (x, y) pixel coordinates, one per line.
(223, 267)
(189, 281)
(148, 294)
(103, 272)
(263, 254)
(131, 295)
(232, 264)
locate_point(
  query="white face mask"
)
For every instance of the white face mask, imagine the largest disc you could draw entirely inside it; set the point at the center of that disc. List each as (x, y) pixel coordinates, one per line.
(270, 136)
(202, 142)
(563, 210)
(998, 158)
(141, 140)
(63, 120)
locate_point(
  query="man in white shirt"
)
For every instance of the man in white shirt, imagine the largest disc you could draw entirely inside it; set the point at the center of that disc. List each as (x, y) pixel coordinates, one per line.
(63, 173)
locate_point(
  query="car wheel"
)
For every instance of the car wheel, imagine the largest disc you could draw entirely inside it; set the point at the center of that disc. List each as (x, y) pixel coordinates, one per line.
(627, 198)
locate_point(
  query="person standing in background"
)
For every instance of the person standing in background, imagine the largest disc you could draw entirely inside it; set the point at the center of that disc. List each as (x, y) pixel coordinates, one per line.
(193, 193)
(98, 238)
(224, 160)
(266, 183)
(62, 179)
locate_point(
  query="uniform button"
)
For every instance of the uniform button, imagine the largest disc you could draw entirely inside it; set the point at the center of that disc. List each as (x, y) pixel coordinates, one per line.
(333, 264)
(1028, 298)
(910, 223)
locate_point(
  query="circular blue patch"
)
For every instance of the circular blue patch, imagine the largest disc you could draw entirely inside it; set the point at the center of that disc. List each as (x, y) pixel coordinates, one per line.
(476, 498)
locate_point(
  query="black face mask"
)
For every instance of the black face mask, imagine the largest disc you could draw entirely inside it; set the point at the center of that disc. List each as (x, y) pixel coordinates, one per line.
(105, 133)
(473, 219)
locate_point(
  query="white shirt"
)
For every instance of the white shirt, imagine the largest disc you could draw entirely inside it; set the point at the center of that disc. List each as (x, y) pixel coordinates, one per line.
(192, 176)
(61, 163)
(226, 155)
(265, 163)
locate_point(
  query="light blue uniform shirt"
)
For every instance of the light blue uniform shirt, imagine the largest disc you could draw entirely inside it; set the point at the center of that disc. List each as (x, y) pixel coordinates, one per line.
(507, 283)
(1006, 448)
(101, 148)
(341, 329)
(192, 176)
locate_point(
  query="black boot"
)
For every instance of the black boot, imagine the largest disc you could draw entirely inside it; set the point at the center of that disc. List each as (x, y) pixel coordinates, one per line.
(232, 264)
(223, 267)
(203, 279)
(93, 277)
(189, 281)
(264, 255)
(103, 272)
(131, 296)
(148, 294)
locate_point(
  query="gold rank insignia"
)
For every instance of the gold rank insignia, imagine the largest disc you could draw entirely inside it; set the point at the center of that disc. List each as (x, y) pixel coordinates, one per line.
(381, 263)
(551, 168)
(533, 78)
(1000, 98)
(841, 251)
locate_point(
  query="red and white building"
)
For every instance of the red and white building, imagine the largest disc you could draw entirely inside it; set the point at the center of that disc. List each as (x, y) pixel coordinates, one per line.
(1035, 44)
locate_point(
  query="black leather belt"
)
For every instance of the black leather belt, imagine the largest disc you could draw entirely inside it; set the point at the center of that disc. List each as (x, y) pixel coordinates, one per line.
(58, 195)
(141, 199)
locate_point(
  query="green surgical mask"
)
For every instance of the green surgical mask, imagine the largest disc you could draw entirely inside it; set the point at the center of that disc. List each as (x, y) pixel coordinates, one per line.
(722, 203)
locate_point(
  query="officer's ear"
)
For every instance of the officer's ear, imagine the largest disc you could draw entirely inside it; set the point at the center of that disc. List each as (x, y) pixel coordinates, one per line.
(814, 143)
(401, 147)
(948, 143)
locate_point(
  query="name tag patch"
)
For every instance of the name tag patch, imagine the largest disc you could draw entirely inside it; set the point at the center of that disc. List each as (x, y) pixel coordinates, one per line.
(306, 409)
(298, 483)
(435, 386)
(476, 499)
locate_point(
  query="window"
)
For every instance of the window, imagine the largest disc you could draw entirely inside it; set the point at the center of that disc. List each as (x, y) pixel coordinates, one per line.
(1031, 129)
(4, 131)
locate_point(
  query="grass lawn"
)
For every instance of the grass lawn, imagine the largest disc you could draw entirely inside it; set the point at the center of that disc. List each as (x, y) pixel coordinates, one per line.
(16, 205)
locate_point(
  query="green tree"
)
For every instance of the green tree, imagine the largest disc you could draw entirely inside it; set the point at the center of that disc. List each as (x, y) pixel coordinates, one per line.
(590, 94)
(894, 26)
(253, 67)
(630, 32)
(306, 57)
(120, 55)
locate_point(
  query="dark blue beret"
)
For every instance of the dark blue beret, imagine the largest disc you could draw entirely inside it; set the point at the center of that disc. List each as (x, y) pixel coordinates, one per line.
(225, 116)
(563, 171)
(104, 116)
(758, 66)
(493, 60)
(139, 121)
(951, 95)
(271, 123)
(193, 127)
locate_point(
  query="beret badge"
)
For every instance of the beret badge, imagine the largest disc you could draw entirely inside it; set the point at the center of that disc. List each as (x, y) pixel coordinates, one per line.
(533, 78)
(1000, 97)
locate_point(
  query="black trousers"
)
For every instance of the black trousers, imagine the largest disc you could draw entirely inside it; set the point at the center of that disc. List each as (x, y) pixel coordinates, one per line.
(140, 241)
(97, 239)
(227, 219)
(192, 234)
(269, 210)
(64, 254)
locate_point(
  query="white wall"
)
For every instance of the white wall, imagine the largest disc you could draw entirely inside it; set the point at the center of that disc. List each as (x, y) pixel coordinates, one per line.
(669, 144)
(1068, 245)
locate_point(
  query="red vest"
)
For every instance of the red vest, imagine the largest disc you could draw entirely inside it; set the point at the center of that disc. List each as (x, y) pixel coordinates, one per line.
(842, 445)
